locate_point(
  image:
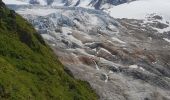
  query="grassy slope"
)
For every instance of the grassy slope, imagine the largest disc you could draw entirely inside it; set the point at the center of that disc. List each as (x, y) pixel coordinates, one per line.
(28, 69)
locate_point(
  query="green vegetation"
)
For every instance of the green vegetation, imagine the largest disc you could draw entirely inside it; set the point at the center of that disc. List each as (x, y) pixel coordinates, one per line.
(28, 69)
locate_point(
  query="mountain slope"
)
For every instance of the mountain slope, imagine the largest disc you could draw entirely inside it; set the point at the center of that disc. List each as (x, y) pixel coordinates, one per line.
(125, 60)
(122, 59)
(28, 69)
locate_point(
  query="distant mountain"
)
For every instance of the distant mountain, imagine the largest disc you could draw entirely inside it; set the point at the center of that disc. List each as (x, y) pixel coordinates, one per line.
(97, 4)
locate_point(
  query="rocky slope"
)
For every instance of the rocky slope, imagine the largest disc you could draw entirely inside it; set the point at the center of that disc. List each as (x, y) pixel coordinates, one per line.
(122, 59)
(29, 70)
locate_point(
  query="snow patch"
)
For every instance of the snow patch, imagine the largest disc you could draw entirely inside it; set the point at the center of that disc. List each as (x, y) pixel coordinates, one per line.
(140, 8)
(16, 2)
(38, 12)
(133, 66)
(166, 39)
(136, 67)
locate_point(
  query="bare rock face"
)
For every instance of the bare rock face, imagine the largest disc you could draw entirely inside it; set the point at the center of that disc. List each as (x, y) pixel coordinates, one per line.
(122, 59)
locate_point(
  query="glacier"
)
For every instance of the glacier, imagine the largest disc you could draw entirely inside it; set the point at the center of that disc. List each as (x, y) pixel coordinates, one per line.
(121, 58)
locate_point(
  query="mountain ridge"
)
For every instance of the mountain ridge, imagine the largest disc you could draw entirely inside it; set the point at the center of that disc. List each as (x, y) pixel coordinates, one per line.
(96, 4)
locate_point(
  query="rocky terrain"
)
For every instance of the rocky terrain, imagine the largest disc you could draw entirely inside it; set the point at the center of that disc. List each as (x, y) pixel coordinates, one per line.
(122, 59)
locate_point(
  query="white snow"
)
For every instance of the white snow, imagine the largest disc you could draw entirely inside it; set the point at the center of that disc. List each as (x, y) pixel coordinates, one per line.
(74, 2)
(140, 8)
(162, 30)
(93, 19)
(136, 67)
(133, 66)
(21, 2)
(58, 4)
(39, 12)
(53, 44)
(150, 19)
(42, 2)
(106, 6)
(17, 2)
(166, 39)
(84, 3)
(141, 68)
(112, 27)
